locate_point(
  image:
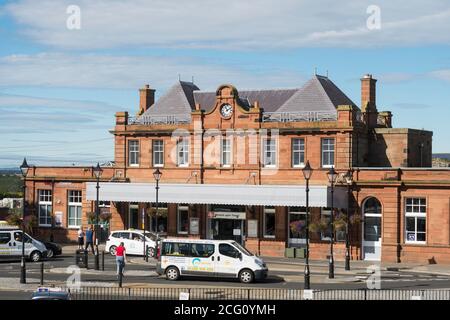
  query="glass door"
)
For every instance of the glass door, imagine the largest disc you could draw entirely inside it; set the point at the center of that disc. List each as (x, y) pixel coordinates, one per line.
(372, 230)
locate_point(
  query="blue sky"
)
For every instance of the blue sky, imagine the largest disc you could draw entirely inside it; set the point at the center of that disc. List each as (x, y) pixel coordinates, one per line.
(60, 88)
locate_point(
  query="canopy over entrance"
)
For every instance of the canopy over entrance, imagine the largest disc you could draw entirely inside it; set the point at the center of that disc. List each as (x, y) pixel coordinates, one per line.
(250, 195)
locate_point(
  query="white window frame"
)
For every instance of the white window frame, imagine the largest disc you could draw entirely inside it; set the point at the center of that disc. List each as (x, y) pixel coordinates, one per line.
(134, 151)
(184, 209)
(159, 151)
(183, 148)
(323, 151)
(269, 210)
(273, 152)
(226, 150)
(45, 199)
(300, 151)
(416, 216)
(77, 205)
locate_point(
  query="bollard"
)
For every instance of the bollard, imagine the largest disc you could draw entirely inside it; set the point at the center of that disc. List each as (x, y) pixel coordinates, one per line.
(42, 273)
(103, 260)
(146, 253)
(120, 279)
(97, 267)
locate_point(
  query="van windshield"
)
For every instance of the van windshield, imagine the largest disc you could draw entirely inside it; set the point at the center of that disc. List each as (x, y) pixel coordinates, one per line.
(241, 248)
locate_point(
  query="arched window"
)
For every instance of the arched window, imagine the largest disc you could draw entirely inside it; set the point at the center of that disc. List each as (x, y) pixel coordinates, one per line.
(372, 206)
(372, 219)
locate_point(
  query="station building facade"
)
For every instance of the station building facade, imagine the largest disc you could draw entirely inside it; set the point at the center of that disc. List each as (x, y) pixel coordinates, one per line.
(231, 164)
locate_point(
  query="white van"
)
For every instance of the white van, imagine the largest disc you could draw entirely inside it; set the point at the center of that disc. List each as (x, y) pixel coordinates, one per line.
(209, 258)
(11, 245)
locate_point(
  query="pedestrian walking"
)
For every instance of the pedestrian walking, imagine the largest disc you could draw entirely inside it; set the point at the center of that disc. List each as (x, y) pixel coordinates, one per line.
(80, 238)
(121, 257)
(90, 239)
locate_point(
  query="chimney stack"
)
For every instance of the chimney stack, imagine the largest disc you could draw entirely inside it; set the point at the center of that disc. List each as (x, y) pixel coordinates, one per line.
(368, 93)
(146, 98)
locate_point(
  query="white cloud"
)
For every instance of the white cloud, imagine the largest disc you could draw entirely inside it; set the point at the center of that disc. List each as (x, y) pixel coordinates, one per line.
(234, 24)
(107, 71)
(443, 74)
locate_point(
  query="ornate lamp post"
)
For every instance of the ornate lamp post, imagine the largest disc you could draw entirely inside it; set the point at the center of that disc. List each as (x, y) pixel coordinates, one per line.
(348, 177)
(97, 173)
(24, 169)
(307, 172)
(332, 176)
(157, 175)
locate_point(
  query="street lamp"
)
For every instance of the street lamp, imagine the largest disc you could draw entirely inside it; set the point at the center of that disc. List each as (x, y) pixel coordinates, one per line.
(332, 176)
(97, 173)
(348, 177)
(157, 175)
(24, 169)
(307, 172)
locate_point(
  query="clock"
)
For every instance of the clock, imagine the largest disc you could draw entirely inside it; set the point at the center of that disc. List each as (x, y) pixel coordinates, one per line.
(226, 110)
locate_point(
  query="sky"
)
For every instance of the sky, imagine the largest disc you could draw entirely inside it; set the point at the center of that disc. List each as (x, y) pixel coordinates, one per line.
(66, 67)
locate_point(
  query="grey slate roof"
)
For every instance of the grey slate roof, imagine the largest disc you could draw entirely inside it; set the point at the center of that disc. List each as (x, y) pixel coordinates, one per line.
(318, 94)
(179, 100)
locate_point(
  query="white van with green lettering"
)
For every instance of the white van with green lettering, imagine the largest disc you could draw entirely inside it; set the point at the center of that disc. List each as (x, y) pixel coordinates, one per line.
(209, 258)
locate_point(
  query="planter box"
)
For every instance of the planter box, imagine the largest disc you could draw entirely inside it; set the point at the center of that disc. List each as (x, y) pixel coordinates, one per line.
(300, 253)
(289, 253)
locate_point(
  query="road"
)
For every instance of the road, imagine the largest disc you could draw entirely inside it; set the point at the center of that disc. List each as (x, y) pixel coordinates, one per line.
(287, 276)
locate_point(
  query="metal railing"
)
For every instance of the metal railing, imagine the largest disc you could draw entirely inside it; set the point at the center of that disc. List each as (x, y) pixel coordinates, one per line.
(115, 293)
(307, 116)
(160, 119)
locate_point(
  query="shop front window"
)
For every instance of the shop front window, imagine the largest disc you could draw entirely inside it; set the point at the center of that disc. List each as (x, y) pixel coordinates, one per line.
(297, 225)
(183, 219)
(269, 222)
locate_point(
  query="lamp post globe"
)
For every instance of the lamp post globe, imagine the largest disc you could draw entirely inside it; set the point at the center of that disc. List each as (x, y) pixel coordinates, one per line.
(24, 170)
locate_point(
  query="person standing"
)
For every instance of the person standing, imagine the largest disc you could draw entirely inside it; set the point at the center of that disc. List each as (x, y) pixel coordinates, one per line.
(120, 258)
(80, 238)
(90, 239)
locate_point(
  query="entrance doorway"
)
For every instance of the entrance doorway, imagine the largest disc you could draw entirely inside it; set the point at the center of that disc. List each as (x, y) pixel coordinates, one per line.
(226, 222)
(227, 229)
(371, 244)
(133, 217)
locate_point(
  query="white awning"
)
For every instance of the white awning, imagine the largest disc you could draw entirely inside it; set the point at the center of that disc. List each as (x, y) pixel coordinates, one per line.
(231, 194)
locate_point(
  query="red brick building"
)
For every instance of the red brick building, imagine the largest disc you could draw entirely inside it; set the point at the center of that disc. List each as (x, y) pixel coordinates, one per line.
(231, 169)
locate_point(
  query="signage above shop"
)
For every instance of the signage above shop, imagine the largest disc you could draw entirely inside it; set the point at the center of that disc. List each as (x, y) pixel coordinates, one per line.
(226, 215)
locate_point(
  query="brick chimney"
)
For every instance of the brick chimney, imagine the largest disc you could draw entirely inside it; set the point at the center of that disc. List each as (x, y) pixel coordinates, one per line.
(368, 93)
(146, 98)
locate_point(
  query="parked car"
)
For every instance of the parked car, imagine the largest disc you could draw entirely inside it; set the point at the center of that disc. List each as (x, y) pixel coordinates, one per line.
(209, 258)
(133, 241)
(45, 293)
(53, 249)
(11, 245)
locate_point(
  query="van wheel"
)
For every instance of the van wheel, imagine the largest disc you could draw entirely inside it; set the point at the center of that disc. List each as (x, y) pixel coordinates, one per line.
(246, 276)
(35, 256)
(112, 250)
(172, 273)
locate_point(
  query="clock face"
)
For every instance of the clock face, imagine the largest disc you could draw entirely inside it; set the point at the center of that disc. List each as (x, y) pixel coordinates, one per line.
(226, 110)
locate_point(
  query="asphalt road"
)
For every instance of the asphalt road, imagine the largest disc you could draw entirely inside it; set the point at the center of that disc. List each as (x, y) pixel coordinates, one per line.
(144, 274)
